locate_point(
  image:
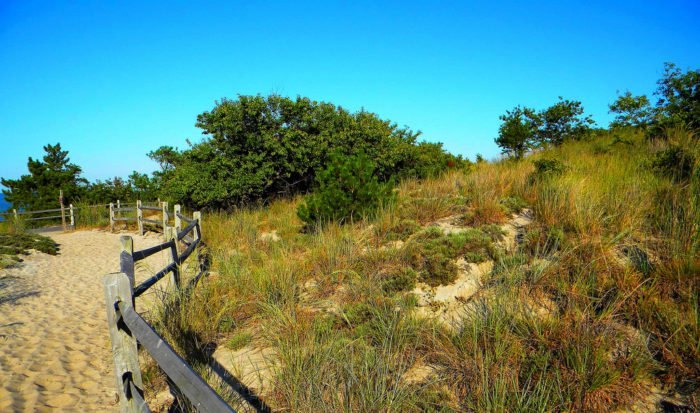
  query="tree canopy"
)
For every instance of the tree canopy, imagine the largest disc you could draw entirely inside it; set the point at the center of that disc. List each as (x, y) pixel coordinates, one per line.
(259, 147)
(40, 188)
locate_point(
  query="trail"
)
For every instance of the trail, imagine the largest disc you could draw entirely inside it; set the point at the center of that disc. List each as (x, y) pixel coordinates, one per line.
(54, 345)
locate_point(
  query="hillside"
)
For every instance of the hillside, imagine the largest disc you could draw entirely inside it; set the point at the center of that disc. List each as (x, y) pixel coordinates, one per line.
(568, 280)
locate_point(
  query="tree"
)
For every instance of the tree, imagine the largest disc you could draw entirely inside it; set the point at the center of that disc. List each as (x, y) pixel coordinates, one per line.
(516, 133)
(40, 189)
(561, 122)
(631, 111)
(260, 147)
(679, 99)
(347, 188)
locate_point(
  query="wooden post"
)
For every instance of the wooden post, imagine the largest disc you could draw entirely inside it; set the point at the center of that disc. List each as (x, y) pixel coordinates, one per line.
(124, 347)
(63, 209)
(126, 258)
(198, 216)
(119, 206)
(139, 216)
(165, 217)
(14, 212)
(171, 234)
(178, 221)
(72, 217)
(111, 217)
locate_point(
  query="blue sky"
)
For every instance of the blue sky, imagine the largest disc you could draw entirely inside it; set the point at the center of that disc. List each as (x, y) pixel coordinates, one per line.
(114, 80)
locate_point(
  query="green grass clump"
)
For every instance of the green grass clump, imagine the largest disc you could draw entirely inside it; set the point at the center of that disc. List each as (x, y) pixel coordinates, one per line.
(15, 244)
(434, 253)
(239, 340)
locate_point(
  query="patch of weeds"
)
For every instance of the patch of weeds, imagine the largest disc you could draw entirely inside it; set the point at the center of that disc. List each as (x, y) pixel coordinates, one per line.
(543, 241)
(16, 244)
(403, 279)
(675, 163)
(434, 253)
(435, 398)
(546, 168)
(495, 232)
(402, 230)
(492, 213)
(239, 340)
(514, 204)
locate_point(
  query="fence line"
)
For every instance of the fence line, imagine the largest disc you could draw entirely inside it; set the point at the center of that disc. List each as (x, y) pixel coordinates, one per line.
(128, 329)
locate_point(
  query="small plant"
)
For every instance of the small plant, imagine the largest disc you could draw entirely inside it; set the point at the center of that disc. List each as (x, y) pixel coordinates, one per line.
(239, 340)
(675, 163)
(402, 230)
(403, 279)
(347, 188)
(514, 204)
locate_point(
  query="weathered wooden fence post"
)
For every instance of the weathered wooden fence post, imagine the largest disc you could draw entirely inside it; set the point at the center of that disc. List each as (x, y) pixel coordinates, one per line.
(124, 347)
(14, 212)
(165, 218)
(72, 217)
(178, 221)
(111, 217)
(119, 206)
(139, 216)
(171, 234)
(198, 216)
(126, 258)
(63, 210)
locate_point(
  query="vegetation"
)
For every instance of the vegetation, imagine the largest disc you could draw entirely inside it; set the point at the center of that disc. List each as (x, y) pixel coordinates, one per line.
(592, 309)
(13, 245)
(347, 188)
(262, 147)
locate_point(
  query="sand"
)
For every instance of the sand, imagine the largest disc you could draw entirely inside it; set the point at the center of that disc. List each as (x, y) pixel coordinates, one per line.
(54, 344)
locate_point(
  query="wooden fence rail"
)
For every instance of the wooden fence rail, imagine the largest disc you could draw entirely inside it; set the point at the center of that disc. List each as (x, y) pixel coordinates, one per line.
(160, 222)
(127, 327)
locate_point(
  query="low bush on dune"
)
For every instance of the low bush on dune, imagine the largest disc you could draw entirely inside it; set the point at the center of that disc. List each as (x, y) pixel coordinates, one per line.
(15, 244)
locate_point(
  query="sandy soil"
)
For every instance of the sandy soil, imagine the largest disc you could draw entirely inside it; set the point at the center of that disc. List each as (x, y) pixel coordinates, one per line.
(54, 344)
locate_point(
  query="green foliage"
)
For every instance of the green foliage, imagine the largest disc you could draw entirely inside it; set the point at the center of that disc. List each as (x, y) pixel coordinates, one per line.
(400, 279)
(631, 111)
(12, 245)
(514, 204)
(347, 188)
(402, 230)
(262, 147)
(675, 162)
(561, 122)
(549, 167)
(40, 189)
(434, 253)
(523, 128)
(516, 133)
(239, 340)
(679, 99)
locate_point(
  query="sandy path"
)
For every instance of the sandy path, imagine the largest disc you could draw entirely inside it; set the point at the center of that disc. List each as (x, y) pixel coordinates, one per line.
(54, 345)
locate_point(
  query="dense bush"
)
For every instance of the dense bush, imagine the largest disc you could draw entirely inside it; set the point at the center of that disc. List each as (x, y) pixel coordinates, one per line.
(675, 163)
(261, 147)
(347, 188)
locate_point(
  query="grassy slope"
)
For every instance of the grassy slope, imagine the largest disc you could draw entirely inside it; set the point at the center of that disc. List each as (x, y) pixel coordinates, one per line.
(598, 304)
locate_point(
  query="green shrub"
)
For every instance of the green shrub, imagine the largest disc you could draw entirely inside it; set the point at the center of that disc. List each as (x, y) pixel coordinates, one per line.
(675, 163)
(514, 204)
(239, 340)
(546, 168)
(403, 279)
(402, 230)
(348, 188)
(434, 253)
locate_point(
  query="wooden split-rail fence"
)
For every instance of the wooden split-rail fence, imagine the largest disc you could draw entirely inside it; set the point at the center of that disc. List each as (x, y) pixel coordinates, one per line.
(135, 212)
(128, 330)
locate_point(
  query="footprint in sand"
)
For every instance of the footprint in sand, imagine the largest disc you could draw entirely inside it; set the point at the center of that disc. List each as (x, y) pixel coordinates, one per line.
(54, 354)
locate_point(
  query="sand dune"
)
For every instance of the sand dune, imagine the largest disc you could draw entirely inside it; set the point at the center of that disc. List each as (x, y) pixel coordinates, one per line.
(54, 344)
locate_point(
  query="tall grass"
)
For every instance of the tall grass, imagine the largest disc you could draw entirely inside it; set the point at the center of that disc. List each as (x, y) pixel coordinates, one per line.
(596, 306)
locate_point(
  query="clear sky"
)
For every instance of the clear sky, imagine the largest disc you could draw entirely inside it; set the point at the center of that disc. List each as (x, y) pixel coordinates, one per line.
(114, 80)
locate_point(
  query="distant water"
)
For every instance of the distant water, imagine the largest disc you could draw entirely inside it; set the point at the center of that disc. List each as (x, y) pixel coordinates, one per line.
(4, 205)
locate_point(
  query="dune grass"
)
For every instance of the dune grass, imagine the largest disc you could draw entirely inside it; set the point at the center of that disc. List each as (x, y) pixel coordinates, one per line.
(595, 308)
